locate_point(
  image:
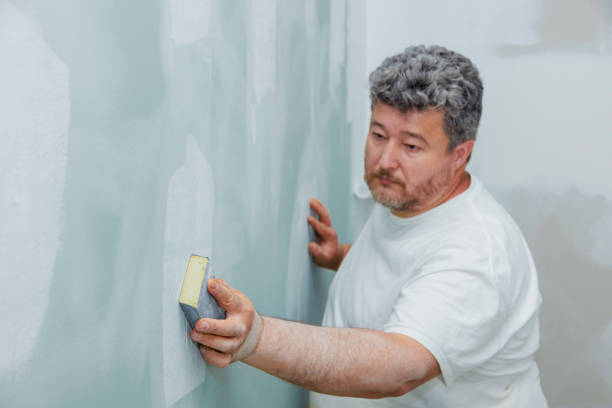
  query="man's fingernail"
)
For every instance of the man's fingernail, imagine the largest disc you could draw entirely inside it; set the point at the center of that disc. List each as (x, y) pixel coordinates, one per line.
(202, 326)
(214, 285)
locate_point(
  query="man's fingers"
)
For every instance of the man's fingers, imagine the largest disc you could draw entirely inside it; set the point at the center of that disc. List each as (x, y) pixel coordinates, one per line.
(215, 358)
(321, 211)
(320, 255)
(315, 250)
(223, 340)
(227, 297)
(219, 343)
(228, 327)
(323, 230)
(316, 224)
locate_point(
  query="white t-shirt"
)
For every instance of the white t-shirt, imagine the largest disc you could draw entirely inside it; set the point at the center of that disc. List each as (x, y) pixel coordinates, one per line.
(461, 281)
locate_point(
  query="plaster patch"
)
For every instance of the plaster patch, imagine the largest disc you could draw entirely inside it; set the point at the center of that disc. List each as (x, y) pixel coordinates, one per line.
(189, 20)
(262, 55)
(189, 230)
(337, 31)
(300, 268)
(357, 109)
(310, 20)
(474, 24)
(34, 122)
(600, 234)
(302, 279)
(558, 146)
(605, 359)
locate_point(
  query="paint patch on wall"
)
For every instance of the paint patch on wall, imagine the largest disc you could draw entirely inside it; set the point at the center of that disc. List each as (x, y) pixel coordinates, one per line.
(262, 52)
(303, 280)
(34, 122)
(189, 230)
(337, 31)
(189, 20)
(310, 17)
(600, 237)
(558, 145)
(605, 359)
(575, 314)
(300, 269)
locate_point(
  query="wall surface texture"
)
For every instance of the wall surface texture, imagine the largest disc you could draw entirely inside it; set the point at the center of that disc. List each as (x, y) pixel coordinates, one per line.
(133, 134)
(543, 150)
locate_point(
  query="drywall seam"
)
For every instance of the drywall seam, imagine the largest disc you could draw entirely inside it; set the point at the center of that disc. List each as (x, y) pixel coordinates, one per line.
(188, 230)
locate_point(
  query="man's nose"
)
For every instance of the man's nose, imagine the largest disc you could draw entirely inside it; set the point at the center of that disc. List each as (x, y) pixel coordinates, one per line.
(389, 157)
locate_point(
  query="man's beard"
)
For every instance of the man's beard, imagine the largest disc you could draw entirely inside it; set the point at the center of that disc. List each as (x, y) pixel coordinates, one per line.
(413, 199)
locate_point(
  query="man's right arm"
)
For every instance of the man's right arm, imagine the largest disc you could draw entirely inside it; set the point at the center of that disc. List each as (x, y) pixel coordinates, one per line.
(326, 251)
(339, 361)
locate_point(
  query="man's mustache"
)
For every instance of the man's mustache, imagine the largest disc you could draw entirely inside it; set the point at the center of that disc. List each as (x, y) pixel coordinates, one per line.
(387, 174)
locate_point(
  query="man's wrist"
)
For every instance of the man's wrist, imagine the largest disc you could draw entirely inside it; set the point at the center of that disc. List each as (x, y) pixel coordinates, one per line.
(252, 340)
(342, 250)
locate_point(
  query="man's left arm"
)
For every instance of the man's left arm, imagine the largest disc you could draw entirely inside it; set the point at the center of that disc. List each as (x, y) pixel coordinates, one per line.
(339, 361)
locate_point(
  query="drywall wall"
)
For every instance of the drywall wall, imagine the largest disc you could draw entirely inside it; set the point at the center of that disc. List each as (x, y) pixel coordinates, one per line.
(34, 116)
(543, 150)
(134, 134)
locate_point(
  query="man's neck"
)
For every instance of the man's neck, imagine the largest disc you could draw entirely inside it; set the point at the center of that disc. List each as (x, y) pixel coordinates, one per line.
(460, 183)
(463, 183)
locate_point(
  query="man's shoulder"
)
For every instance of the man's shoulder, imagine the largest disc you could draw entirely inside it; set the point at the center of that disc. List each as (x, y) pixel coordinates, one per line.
(481, 215)
(481, 238)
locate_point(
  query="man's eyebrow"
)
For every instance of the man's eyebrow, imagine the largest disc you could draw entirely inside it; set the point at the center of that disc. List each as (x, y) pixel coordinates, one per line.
(375, 123)
(417, 136)
(411, 134)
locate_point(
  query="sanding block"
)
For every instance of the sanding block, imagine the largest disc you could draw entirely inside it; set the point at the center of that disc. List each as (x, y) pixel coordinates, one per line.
(195, 300)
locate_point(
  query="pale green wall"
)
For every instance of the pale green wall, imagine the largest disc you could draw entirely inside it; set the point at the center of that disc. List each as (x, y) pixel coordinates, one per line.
(100, 102)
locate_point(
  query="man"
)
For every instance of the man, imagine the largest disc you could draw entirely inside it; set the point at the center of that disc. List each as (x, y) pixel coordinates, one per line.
(436, 303)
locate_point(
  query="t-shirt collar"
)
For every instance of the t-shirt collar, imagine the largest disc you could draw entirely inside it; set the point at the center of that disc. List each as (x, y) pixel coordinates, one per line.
(436, 211)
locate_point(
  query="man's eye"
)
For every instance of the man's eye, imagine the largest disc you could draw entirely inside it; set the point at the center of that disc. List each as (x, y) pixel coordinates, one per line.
(378, 136)
(412, 147)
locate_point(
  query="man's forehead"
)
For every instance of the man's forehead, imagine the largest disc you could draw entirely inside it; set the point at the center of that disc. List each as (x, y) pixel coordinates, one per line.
(425, 123)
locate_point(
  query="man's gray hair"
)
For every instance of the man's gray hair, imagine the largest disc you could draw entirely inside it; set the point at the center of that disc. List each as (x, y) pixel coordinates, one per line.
(432, 77)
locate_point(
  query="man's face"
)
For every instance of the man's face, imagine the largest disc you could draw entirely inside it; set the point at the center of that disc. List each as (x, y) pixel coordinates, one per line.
(407, 164)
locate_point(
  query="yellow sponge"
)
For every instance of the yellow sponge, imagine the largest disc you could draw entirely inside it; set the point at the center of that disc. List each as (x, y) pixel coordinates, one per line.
(195, 300)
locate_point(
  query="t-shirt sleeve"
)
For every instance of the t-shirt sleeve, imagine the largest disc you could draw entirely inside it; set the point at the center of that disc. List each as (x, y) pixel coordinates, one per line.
(458, 315)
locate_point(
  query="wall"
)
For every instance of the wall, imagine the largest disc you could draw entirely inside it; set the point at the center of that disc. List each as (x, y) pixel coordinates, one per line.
(543, 151)
(133, 134)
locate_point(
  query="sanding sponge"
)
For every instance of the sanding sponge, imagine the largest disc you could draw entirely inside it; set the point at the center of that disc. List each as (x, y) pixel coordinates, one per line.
(195, 300)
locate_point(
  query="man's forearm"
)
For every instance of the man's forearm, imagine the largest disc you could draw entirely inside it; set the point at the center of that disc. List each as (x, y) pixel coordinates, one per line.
(350, 362)
(340, 361)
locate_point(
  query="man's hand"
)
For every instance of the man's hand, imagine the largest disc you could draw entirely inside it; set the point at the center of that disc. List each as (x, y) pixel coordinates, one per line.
(326, 251)
(225, 341)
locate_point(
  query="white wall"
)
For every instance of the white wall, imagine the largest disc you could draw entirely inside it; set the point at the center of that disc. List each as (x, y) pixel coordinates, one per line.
(543, 150)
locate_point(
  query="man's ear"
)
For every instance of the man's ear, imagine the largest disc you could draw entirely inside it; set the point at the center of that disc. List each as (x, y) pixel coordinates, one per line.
(461, 153)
